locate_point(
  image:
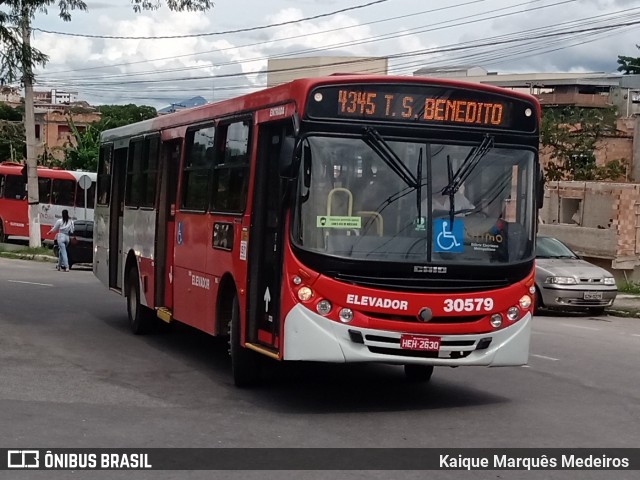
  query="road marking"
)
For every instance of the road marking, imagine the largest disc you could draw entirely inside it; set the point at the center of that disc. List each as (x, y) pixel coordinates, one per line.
(634, 335)
(579, 326)
(545, 357)
(32, 283)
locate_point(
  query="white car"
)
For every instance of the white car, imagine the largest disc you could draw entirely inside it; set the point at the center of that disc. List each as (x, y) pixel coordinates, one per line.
(564, 280)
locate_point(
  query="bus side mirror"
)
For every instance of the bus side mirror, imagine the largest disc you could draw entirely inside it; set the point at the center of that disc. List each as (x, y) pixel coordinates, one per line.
(25, 176)
(288, 160)
(540, 189)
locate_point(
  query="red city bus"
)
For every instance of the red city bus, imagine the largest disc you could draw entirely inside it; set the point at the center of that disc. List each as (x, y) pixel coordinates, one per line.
(57, 189)
(336, 219)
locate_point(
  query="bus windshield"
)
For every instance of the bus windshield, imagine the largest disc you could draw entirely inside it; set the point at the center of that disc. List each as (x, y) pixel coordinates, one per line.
(411, 201)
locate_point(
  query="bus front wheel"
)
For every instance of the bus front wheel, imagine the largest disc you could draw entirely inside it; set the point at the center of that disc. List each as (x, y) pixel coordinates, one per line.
(139, 315)
(245, 364)
(418, 373)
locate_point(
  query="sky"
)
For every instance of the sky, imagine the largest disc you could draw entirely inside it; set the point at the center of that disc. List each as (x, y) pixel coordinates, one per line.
(216, 63)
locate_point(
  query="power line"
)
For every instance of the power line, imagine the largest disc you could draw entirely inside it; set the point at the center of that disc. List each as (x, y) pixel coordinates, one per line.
(367, 40)
(211, 34)
(514, 38)
(292, 37)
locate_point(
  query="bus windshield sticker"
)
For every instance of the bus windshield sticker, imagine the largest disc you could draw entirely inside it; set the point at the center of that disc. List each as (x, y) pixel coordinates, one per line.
(332, 221)
(446, 238)
(179, 238)
(244, 241)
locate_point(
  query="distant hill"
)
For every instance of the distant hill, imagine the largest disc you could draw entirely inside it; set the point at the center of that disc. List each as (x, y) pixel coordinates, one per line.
(182, 104)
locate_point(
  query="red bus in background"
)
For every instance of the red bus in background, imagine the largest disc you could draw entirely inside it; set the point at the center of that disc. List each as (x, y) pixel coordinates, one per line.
(335, 219)
(57, 189)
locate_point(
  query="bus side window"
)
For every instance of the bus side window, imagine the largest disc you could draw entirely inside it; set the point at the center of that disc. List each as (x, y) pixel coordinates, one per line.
(14, 188)
(104, 174)
(91, 193)
(44, 190)
(231, 173)
(197, 167)
(63, 192)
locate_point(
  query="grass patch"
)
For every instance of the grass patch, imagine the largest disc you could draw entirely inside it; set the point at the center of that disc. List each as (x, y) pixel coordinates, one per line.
(629, 287)
(27, 251)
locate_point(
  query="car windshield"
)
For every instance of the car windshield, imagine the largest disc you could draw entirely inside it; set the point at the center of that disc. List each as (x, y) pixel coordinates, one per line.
(412, 201)
(547, 247)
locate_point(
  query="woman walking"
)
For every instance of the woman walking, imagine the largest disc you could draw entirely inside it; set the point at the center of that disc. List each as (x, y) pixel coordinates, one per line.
(64, 227)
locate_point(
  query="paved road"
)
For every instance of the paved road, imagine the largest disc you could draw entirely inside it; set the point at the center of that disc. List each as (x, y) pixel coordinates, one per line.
(71, 375)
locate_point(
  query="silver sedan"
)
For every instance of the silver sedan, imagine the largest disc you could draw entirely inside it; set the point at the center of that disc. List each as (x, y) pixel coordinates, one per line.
(564, 280)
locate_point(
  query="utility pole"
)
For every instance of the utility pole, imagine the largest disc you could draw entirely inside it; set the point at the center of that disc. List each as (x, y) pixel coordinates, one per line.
(35, 239)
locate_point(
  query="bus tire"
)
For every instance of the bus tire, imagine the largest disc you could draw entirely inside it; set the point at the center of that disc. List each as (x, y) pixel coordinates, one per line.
(245, 365)
(418, 373)
(3, 237)
(538, 303)
(140, 319)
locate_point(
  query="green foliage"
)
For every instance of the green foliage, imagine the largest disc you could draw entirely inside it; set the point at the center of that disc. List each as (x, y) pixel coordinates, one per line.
(82, 153)
(629, 65)
(12, 140)
(175, 5)
(16, 57)
(10, 113)
(629, 287)
(572, 134)
(113, 116)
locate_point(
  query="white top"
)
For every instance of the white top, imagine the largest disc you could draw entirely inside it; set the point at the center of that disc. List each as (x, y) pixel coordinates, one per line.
(65, 228)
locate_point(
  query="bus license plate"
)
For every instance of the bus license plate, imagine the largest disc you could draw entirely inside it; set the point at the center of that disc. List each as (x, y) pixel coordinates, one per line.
(419, 342)
(593, 295)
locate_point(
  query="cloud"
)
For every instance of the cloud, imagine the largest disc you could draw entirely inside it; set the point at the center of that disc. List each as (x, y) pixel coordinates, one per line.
(159, 72)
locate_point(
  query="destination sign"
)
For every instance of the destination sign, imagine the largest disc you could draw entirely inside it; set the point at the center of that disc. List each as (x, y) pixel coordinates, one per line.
(421, 104)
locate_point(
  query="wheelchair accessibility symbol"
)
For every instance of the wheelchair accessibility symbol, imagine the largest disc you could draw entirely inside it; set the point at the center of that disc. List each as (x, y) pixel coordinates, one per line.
(447, 238)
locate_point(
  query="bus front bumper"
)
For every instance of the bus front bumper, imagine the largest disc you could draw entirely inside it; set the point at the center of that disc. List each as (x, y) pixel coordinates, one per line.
(312, 337)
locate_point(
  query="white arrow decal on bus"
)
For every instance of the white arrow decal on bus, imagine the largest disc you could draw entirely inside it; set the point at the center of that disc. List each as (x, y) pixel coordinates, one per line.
(267, 299)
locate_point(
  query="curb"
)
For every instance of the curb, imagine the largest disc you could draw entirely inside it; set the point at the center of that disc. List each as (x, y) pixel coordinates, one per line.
(631, 313)
(29, 256)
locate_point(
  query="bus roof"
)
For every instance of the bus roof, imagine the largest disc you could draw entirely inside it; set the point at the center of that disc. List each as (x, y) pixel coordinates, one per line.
(16, 169)
(294, 91)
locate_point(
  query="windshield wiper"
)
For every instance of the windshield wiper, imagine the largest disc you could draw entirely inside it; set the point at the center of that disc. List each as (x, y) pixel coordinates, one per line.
(378, 144)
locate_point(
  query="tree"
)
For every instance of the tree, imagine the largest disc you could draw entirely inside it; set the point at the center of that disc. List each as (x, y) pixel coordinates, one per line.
(18, 60)
(83, 153)
(629, 65)
(113, 116)
(572, 134)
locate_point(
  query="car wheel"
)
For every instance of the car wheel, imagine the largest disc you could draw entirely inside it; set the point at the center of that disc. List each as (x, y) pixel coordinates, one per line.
(538, 302)
(140, 318)
(418, 373)
(245, 364)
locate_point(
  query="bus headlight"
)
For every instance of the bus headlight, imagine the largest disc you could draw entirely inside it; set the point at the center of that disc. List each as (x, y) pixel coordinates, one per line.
(525, 302)
(513, 313)
(305, 294)
(323, 307)
(346, 315)
(496, 320)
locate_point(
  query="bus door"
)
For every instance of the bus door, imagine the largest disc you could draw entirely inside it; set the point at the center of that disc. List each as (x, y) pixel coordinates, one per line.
(266, 240)
(165, 221)
(116, 217)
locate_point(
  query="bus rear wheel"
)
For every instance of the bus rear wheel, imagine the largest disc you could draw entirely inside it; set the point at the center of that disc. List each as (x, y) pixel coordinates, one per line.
(140, 318)
(245, 364)
(2, 235)
(418, 373)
